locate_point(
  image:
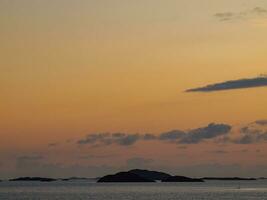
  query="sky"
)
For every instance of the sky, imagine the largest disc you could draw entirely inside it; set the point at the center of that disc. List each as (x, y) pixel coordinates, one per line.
(91, 87)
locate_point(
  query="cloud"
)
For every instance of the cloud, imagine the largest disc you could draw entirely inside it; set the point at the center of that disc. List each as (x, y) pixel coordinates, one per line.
(211, 131)
(259, 10)
(251, 138)
(122, 139)
(227, 16)
(93, 138)
(261, 122)
(128, 139)
(252, 133)
(172, 135)
(233, 84)
(176, 136)
(249, 134)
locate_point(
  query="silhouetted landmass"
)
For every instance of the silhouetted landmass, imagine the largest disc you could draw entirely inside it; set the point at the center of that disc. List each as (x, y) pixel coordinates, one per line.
(75, 179)
(182, 179)
(124, 177)
(152, 175)
(229, 179)
(33, 179)
(79, 179)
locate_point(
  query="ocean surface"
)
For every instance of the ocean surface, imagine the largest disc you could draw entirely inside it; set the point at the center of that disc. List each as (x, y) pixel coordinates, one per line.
(80, 190)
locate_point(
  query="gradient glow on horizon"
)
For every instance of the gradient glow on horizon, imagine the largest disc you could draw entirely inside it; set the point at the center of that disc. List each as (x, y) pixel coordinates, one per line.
(71, 68)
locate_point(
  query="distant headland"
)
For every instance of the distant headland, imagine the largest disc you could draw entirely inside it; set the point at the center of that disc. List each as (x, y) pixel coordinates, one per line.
(33, 179)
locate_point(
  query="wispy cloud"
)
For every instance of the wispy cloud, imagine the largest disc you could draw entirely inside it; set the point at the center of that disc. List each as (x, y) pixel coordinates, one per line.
(227, 16)
(232, 84)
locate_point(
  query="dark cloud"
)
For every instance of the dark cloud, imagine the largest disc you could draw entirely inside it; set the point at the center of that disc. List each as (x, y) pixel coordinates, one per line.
(233, 84)
(211, 131)
(128, 139)
(93, 138)
(172, 135)
(122, 139)
(251, 135)
(261, 122)
(112, 138)
(246, 139)
(226, 16)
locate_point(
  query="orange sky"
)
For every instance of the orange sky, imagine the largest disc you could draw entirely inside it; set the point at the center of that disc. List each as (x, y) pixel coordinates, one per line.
(73, 68)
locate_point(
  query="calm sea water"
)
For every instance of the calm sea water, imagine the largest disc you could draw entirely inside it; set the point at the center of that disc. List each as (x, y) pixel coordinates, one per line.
(81, 190)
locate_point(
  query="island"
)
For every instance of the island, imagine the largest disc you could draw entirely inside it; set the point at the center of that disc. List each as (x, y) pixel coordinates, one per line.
(74, 179)
(123, 177)
(152, 175)
(140, 175)
(41, 179)
(182, 179)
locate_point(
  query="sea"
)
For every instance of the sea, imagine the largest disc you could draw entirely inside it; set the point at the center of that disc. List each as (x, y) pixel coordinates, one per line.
(88, 190)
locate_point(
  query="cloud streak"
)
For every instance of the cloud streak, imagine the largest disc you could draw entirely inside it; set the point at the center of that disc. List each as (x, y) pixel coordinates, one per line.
(229, 16)
(232, 84)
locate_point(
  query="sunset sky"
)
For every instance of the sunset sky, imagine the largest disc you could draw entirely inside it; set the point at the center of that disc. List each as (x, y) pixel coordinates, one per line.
(90, 87)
